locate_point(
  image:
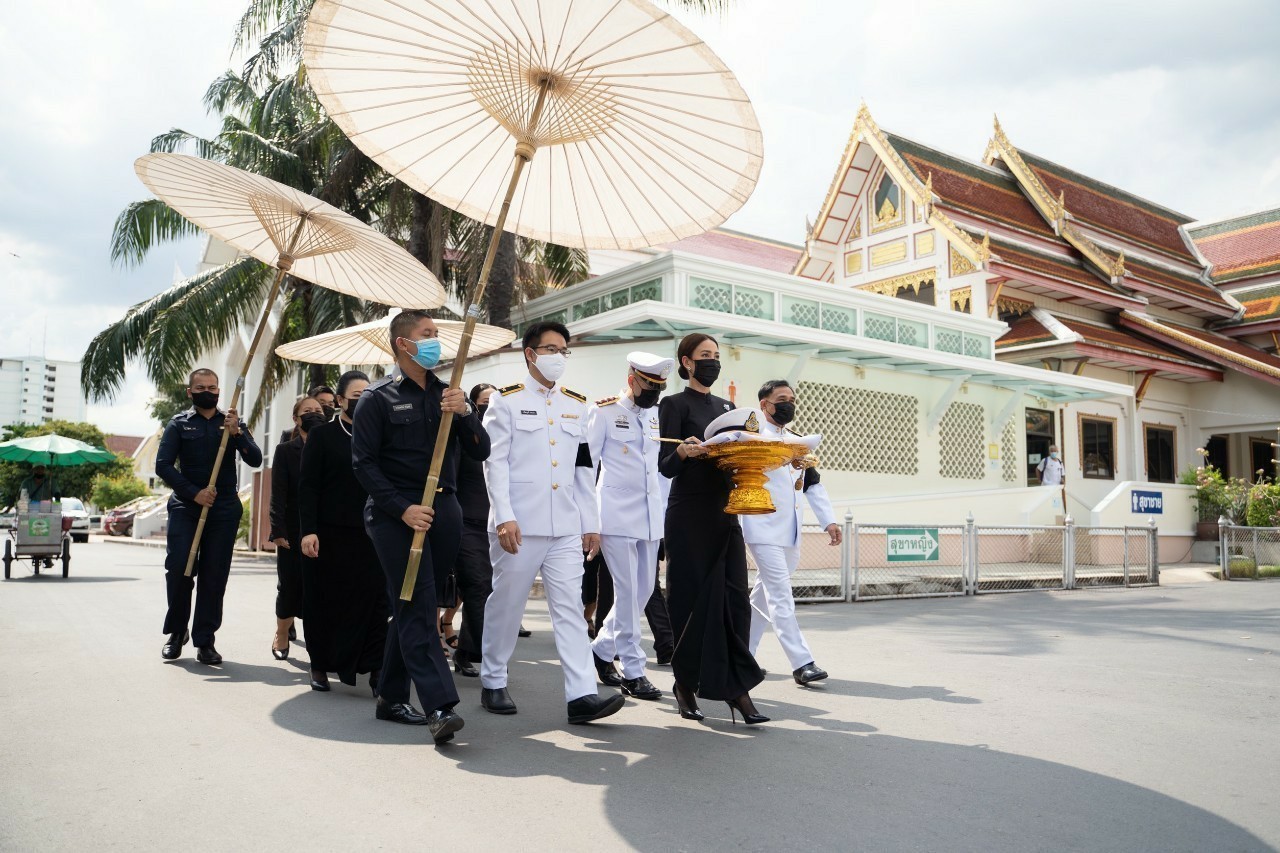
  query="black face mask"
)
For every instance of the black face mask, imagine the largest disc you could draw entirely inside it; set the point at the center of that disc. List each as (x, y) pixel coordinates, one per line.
(350, 406)
(784, 413)
(38, 476)
(311, 420)
(648, 398)
(480, 410)
(706, 371)
(328, 412)
(205, 399)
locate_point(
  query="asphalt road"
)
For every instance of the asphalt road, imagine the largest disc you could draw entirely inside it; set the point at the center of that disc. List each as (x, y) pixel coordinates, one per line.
(1125, 720)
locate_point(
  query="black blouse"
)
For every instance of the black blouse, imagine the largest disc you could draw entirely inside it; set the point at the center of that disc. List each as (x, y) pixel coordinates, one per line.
(682, 416)
(329, 494)
(285, 463)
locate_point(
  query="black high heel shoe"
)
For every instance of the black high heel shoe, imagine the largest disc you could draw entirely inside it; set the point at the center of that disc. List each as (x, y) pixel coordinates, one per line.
(686, 702)
(279, 654)
(320, 683)
(743, 705)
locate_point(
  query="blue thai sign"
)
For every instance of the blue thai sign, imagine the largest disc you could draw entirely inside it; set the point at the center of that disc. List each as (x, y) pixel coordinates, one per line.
(1150, 503)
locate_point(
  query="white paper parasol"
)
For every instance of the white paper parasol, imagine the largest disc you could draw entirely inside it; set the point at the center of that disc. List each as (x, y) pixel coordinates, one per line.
(645, 136)
(293, 232)
(368, 343)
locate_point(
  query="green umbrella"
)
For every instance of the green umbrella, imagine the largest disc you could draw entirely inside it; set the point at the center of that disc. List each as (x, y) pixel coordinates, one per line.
(52, 450)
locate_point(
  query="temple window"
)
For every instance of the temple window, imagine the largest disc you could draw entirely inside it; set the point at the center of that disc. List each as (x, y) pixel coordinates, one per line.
(887, 207)
(1097, 448)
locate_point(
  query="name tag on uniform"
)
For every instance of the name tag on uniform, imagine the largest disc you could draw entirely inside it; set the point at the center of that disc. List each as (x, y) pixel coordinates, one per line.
(400, 407)
(622, 423)
(570, 416)
(527, 412)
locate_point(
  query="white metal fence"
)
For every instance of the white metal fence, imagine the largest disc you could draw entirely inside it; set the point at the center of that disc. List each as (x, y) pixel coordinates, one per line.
(910, 560)
(1249, 553)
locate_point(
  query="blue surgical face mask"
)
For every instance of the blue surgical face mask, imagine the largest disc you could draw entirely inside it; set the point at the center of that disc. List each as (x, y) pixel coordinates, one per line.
(428, 354)
(1054, 454)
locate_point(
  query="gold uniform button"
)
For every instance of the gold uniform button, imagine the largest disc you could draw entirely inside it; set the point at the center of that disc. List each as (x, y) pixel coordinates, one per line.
(551, 420)
(553, 441)
(555, 463)
(624, 449)
(555, 485)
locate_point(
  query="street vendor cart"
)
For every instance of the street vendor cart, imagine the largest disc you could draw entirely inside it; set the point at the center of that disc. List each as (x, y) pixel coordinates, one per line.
(41, 534)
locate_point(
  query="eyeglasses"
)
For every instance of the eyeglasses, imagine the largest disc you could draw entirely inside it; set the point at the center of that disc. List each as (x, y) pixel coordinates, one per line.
(552, 349)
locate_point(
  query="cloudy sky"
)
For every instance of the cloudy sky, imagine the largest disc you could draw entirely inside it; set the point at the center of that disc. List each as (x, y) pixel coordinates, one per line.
(1171, 99)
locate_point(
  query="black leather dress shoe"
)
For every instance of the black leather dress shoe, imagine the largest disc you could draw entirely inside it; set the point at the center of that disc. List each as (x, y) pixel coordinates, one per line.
(399, 712)
(442, 723)
(640, 688)
(524, 632)
(584, 709)
(462, 666)
(497, 700)
(173, 648)
(809, 672)
(664, 658)
(609, 675)
(208, 654)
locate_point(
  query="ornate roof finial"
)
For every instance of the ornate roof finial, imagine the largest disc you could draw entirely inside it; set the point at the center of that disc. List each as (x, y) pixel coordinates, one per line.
(928, 196)
(1118, 269)
(985, 254)
(1004, 140)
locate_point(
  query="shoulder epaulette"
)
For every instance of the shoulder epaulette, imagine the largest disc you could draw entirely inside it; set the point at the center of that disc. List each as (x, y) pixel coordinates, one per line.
(607, 401)
(568, 392)
(511, 389)
(379, 383)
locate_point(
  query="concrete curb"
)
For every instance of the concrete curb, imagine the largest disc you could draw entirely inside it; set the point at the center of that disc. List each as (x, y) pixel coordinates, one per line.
(239, 555)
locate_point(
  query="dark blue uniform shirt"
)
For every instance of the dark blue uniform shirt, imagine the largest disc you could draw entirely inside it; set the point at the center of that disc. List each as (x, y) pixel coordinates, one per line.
(394, 435)
(187, 450)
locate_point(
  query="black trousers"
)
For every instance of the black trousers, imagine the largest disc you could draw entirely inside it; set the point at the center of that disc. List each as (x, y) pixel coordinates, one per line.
(475, 582)
(413, 652)
(289, 597)
(209, 574)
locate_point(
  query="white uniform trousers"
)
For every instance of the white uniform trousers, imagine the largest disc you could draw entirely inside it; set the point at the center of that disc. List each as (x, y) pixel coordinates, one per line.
(560, 560)
(633, 565)
(772, 602)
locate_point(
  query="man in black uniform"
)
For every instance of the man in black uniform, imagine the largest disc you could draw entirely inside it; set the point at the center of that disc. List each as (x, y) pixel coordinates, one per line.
(184, 460)
(392, 441)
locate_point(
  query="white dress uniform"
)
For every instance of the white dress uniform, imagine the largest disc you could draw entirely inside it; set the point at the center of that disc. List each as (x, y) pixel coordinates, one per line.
(774, 540)
(623, 439)
(539, 475)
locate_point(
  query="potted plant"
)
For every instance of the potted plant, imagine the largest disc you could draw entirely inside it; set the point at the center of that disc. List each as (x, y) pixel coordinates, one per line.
(1215, 496)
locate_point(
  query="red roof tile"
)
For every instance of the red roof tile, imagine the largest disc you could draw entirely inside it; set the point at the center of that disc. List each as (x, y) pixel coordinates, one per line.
(1113, 209)
(980, 190)
(1025, 330)
(1169, 280)
(125, 445)
(1221, 350)
(1069, 269)
(1113, 338)
(1241, 247)
(725, 245)
(1261, 304)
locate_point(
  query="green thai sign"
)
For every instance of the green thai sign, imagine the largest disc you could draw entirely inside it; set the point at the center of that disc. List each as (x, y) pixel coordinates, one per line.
(911, 545)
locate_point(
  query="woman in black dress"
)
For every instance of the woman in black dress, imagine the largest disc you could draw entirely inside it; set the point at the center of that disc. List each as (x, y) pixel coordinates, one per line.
(707, 559)
(285, 465)
(346, 592)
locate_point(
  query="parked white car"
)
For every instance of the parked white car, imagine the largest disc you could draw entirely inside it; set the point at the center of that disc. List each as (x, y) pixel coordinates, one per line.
(74, 509)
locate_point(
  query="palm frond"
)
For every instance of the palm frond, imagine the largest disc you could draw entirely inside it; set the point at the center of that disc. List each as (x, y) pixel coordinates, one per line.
(206, 316)
(104, 365)
(229, 92)
(142, 225)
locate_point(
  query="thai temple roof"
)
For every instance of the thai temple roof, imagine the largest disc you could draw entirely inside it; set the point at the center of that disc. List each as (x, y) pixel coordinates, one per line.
(1240, 248)
(723, 244)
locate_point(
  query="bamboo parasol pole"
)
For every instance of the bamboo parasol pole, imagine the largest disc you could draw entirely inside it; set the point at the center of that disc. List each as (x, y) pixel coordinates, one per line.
(283, 264)
(525, 150)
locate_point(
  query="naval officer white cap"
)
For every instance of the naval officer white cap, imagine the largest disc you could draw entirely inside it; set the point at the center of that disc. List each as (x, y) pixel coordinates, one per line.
(651, 367)
(740, 420)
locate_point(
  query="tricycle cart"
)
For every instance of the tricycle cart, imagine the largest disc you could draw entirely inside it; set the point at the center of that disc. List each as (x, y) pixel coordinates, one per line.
(41, 536)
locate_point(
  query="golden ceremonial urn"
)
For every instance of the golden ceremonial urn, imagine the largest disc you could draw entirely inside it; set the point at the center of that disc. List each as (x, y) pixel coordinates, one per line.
(747, 462)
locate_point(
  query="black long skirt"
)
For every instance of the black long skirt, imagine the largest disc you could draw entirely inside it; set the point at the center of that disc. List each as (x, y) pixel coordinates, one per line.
(708, 599)
(290, 599)
(346, 604)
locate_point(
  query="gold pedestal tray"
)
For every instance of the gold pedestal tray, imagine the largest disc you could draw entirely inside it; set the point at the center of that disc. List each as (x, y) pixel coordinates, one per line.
(747, 462)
